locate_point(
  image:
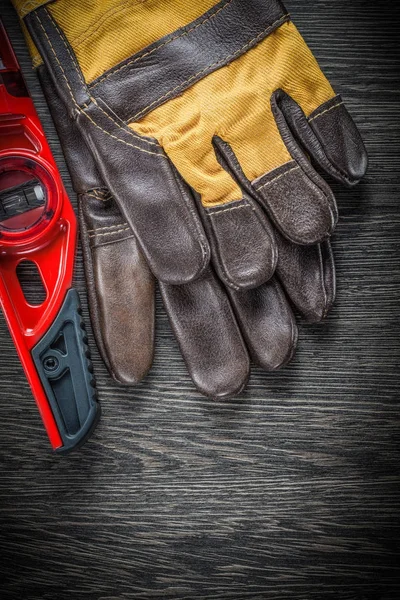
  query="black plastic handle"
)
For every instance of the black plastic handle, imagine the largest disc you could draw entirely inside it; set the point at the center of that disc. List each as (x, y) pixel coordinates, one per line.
(62, 359)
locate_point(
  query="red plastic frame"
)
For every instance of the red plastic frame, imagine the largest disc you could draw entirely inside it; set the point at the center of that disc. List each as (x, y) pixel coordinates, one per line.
(50, 243)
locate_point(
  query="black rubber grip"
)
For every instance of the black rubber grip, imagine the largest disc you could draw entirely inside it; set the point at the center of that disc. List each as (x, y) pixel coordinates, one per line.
(62, 359)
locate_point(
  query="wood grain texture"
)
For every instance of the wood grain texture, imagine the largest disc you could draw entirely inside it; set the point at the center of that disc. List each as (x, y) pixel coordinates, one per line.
(291, 491)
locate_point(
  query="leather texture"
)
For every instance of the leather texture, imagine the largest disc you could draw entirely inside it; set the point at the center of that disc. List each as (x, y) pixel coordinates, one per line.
(160, 209)
(307, 274)
(252, 257)
(294, 188)
(341, 140)
(267, 323)
(120, 288)
(218, 329)
(187, 55)
(156, 203)
(329, 135)
(156, 195)
(119, 283)
(210, 327)
(139, 218)
(208, 335)
(289, 190)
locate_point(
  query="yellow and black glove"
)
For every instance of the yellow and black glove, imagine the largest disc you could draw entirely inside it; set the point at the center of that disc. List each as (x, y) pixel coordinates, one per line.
(200, 119)
(218, 329)
(220, 101)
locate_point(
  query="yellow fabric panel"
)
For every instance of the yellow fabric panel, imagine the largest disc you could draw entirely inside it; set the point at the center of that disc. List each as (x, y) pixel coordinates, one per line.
(103, 33)
(24, 7)
(234, 103)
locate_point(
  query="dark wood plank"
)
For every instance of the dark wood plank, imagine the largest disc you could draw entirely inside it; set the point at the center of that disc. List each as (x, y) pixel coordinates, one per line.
(289, 492)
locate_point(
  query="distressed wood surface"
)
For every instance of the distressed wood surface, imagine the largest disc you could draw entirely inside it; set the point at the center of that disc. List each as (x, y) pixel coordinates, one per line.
(289, 492)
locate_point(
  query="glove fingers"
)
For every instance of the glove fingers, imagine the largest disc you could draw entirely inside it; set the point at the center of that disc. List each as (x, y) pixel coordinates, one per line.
(120, 289)
(153, 199)
(267, 323)
(297, 200)
(208, 335)
(120, 285)
(243, 245)
(328, 134)
(241, 238)
(307, 274)
(135, 169)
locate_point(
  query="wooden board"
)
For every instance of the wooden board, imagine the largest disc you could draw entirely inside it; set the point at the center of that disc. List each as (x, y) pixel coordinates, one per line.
(289, 492)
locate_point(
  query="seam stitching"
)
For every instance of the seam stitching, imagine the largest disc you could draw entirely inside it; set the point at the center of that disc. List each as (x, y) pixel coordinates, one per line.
(99, 195)
(78, 71)
(82, 111)
(132, 133)
(109, 227)
(326, 111)
(341, 173)
(222, 210)
(276, 178)
(126, 129)
(27, 6)
(108, 240)
(58, 62)
(208, 68)
(139, 58)
(233, 157)
(109, 233)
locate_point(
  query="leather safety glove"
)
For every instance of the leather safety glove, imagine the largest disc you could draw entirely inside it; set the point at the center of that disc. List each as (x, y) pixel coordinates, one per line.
(200, 116)
(217, 328)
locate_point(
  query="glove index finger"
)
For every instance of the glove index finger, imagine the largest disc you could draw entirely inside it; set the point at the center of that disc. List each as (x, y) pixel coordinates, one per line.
(145, 185)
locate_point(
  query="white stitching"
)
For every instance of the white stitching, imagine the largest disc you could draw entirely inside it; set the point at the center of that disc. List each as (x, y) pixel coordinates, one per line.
(99, 194)
(109, 227)
(127, 130)
(222, 210)
(191, 209)
(139, 58)
(79, 73)
(109, 233)
(276, 178)
(325, 111)
(56, 57)
(132, 133)
(83, 112)
(220, 62)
